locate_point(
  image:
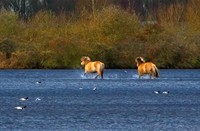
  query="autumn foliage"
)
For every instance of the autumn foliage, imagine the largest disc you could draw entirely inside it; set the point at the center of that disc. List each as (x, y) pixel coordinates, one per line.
(110, 34)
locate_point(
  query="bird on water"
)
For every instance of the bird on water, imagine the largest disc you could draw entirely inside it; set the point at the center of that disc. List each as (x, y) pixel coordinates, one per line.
(24, 98)
(20, 107)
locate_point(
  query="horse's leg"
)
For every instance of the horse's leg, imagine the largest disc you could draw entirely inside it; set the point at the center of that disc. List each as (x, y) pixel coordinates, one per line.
(151, 76)
(96, 76)
(139, 76)
(91, 74)
(85, 72)
(101, 75)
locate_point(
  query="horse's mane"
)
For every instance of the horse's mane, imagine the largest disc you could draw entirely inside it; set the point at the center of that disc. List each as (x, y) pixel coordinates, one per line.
(85, 58)
(140, 60)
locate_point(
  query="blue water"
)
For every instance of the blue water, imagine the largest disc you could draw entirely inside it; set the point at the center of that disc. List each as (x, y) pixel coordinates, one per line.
(121, 101)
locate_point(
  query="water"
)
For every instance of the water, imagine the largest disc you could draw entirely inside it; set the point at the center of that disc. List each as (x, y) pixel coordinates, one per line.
(67, 100)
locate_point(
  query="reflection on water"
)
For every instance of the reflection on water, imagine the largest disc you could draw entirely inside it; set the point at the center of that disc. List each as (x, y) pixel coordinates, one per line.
(67, 100)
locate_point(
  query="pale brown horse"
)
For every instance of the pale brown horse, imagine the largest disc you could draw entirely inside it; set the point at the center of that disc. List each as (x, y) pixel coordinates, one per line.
(92, 66)
(146, 68)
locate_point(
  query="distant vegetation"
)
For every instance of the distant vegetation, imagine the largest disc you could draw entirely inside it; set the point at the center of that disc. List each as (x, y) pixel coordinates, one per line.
(111, 34)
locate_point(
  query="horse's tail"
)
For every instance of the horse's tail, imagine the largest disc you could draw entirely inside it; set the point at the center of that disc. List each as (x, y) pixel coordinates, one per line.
(156, 73)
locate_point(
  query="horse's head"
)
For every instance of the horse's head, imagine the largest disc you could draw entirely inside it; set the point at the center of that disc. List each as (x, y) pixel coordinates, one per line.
(85, 60)
(139, 60)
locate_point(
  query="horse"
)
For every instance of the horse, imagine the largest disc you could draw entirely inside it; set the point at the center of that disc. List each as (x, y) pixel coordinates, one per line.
(92, 66)
(146, 68)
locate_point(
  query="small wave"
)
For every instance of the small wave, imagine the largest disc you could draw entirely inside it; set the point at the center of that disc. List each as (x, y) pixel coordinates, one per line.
(86, 76)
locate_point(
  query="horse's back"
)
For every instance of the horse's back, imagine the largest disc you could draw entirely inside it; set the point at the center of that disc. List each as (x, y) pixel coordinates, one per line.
(147, 67)
(90, 67)
(94, 66)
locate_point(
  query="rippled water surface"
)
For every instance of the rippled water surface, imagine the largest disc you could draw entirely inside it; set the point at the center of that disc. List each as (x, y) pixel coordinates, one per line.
(67, 100)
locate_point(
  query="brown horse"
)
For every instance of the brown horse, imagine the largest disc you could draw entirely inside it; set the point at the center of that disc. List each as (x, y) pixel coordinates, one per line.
(146, 68)
(92, 67)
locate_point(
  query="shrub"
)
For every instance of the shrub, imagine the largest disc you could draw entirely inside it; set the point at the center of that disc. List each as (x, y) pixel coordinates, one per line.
(9, 26)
